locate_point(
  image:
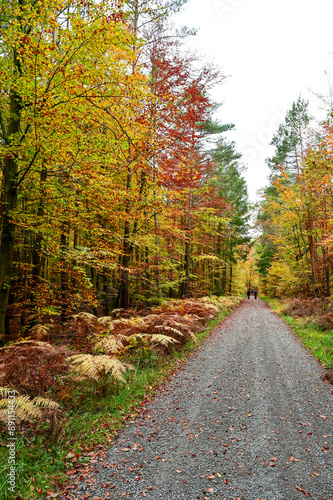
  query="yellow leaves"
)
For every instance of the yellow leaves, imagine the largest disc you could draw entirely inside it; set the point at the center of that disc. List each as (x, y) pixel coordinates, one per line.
(94, 368)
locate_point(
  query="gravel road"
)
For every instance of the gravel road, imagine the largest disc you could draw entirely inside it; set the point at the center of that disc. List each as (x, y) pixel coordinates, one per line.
(248, 417)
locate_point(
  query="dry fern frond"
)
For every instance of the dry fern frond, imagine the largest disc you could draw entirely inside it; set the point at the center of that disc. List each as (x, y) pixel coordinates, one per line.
(96, 367)
(38, 343)
(169, 330)
(163, 340)
(39, 332)
(106, 321)
(110, 345)
(155, 338)
(46, 403)
(26, 366)
(86, 317)
(126, 322)
(25, 408)
(4, 391)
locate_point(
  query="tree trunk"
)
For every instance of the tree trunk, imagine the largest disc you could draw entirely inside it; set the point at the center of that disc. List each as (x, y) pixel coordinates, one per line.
(230, 279)
(7, 238)
(312, 254)
(188, 248)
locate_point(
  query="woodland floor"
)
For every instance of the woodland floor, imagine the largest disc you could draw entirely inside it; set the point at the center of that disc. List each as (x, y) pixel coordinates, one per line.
(247, 417)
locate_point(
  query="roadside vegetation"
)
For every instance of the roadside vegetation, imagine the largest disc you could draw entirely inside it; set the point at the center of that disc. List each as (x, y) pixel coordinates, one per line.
(73, 396)
(312, 321)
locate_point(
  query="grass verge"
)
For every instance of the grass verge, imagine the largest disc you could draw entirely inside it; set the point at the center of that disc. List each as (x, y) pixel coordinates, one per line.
(43, 466)
(317, 340)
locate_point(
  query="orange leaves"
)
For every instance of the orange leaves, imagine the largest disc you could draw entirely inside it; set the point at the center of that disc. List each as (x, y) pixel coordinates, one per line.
(303, 491)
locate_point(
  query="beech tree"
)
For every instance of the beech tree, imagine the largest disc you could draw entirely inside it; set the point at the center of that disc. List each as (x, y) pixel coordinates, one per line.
(106, 171)
(54, 61)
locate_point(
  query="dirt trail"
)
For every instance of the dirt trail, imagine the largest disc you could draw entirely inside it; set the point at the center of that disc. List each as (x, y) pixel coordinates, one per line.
(247, 417)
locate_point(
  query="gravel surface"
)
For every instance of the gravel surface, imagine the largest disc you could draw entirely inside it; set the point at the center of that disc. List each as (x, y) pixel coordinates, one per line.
(248, 417)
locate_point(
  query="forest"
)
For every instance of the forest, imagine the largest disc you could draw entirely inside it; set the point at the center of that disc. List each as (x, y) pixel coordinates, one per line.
(118, 186)
(127, 234)
(294, 251)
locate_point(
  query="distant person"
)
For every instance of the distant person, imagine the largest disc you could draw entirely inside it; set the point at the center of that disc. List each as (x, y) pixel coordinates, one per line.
(252, 291)
(248, 293)
(255, 294)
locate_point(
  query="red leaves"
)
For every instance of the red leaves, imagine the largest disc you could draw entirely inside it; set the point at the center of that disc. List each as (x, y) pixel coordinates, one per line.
(303, 491)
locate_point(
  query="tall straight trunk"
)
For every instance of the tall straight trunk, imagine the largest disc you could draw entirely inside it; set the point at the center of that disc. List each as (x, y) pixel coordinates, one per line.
(63, 275)
(312, 254)
(158, 272)
(187, 269)
(124, 280)
(224, 278)
(37, 249)
(188, 247)
(10, 173)
(230, 279)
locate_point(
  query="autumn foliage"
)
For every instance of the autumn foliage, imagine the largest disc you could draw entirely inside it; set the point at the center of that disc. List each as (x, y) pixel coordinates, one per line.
(110, 190)
(295, 250)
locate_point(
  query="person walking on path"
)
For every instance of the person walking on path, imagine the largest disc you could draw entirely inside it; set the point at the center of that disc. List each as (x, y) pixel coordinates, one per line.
(248, 293)
(255, 294)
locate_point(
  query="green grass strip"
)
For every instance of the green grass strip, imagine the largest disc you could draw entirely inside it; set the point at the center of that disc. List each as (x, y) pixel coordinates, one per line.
(317, 340)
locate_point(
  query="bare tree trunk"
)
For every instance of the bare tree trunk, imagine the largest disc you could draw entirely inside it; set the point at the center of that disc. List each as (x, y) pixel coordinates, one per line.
(188, 248)
(10, 173)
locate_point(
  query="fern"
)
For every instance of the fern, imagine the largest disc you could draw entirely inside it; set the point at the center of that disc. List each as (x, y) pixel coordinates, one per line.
(25, 408)
(109, 345)
(169, 330)
(39, 332)
(155, 338)
(100, 369)
(86, 318)
(25, 365)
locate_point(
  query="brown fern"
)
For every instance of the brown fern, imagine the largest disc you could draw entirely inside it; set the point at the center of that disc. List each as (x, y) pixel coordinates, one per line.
(33, 367)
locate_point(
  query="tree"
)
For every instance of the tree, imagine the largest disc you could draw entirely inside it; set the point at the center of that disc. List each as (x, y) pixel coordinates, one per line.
(55, 62)
(289, 141)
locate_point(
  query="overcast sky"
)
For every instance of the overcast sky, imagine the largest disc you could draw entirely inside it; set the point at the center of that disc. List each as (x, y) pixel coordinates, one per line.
(273, 50)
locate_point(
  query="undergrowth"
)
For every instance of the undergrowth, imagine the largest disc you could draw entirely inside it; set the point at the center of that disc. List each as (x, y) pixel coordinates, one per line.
(310, 319)
(102, 377)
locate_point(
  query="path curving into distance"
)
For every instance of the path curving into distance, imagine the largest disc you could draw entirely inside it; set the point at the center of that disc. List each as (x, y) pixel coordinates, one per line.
(248, 417)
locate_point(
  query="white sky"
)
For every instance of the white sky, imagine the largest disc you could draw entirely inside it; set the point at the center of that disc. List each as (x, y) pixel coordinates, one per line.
(273, 50)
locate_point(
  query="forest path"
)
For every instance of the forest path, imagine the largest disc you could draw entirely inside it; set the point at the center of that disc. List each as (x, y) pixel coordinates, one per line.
(248, 416)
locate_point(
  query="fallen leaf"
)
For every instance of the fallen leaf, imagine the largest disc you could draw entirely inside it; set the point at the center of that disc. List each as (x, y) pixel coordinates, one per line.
(303, 491)
(211, 477)
(274, 459)
(210, 490)
(218, 475)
